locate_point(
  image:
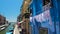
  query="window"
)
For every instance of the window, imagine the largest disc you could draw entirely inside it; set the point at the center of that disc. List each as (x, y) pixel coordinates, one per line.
(45, 2)
(43, 31)
(0, 19)
(27, 15)
(31, 10)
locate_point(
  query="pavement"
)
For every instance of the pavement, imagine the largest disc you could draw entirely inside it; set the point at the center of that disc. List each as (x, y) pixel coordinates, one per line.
(16, 30)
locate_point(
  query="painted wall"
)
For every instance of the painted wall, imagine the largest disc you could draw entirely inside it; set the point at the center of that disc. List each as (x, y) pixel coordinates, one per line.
(52, 20)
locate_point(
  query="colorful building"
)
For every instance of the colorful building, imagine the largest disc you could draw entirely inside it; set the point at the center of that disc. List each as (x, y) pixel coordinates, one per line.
(45, 17)
(25, 14)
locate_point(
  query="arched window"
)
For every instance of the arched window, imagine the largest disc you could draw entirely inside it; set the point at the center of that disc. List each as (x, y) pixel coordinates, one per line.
(27, 15)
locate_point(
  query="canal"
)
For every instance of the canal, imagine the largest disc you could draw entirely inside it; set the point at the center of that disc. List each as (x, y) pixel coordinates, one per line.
(7, 29)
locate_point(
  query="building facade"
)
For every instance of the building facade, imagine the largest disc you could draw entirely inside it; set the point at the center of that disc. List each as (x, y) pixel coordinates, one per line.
(45, 17)
(2, 20)
(25, 12)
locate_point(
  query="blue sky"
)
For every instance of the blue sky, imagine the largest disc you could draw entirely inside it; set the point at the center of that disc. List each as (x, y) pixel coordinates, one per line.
(10, 9)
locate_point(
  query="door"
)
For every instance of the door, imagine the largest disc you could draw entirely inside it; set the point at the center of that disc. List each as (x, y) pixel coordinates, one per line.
(43, 31)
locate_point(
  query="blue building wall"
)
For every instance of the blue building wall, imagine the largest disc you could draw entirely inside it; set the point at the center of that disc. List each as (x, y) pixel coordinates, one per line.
(36, 7)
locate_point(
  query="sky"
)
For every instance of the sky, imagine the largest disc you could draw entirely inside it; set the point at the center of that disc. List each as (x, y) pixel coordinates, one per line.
(10, 9)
